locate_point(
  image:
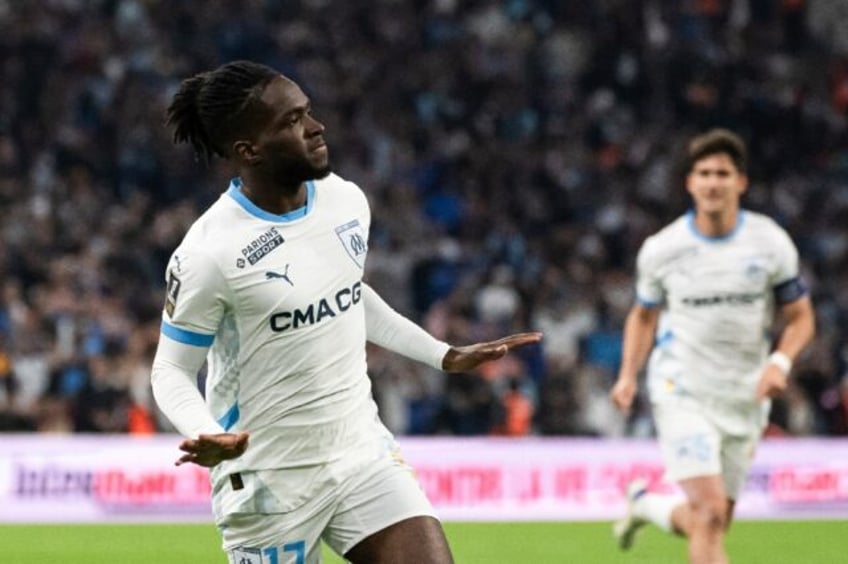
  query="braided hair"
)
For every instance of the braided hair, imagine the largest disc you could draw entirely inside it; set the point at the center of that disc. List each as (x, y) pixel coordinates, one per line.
(209, 109)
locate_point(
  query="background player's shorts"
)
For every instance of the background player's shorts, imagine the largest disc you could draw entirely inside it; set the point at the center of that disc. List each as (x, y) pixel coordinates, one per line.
(701, 437)
(360, 503)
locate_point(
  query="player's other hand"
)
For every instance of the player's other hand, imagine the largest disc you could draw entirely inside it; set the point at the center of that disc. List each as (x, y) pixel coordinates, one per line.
(463, 359)
(210, 450)
(622, 394)
(772, 382)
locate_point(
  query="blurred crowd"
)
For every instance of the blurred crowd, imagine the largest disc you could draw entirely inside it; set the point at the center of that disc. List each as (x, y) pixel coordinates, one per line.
(515, 153)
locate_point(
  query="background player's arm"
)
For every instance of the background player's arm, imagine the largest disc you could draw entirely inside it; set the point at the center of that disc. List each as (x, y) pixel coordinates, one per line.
(389, 329)
(799, 329)
(639, 330)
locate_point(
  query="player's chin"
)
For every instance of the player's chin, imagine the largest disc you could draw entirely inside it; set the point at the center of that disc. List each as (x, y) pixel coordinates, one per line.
(321, 170)
(712, 207)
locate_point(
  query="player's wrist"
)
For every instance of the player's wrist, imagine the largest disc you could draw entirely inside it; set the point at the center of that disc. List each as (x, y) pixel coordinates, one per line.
(782, 361)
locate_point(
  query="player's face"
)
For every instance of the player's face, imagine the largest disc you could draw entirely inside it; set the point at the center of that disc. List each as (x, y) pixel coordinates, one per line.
(291, 143)
(716, 184)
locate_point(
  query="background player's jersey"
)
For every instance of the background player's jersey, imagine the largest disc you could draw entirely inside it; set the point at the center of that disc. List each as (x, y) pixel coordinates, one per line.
(718, 299)
(278, 298)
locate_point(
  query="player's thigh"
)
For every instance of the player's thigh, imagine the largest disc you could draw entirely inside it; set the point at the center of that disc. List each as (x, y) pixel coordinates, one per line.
(689, 442)
(384, 516)
(279, 538)
(418, 540)
(738, 449)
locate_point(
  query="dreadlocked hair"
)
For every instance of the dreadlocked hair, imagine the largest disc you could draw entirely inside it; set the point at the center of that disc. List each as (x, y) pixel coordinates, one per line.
(207, 109)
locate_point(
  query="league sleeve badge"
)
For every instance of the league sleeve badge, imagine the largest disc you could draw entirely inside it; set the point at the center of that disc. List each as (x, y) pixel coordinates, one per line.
(172, 293)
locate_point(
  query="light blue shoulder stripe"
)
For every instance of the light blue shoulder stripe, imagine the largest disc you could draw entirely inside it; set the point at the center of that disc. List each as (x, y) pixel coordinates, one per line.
(229, 418)
(186, 337)
(234, 191)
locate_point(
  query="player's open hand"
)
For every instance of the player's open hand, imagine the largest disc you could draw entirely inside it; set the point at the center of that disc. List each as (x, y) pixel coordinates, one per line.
(772, 383)
(463, 359)
(210, 450)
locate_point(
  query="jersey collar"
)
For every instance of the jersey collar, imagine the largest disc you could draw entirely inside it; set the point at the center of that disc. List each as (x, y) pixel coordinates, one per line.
(234, 191)
(690, 221)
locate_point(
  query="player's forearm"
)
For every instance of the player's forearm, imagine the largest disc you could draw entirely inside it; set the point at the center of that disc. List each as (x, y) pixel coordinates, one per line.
(389, 329)
(639, 329)
(799, 329)
(173, 379)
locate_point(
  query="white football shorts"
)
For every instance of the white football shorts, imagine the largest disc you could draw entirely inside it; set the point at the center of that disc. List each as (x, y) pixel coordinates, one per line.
(361, 502)
(704, 437)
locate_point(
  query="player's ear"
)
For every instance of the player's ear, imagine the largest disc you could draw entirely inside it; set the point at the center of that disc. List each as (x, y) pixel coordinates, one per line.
(688, 182)
(743, 182)
(246, 152)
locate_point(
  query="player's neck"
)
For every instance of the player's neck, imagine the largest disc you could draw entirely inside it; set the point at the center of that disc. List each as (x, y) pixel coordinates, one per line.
(716, 224)
(272, 199)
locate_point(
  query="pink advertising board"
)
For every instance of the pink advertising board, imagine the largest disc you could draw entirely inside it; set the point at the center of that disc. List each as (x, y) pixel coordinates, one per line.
(125, 479)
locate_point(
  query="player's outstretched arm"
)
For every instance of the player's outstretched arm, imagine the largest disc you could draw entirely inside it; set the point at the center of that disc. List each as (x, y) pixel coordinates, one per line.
(389, 329)
(469, 357)
(210, 450)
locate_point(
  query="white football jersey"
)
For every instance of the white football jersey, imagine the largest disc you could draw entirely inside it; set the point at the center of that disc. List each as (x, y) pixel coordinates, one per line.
(278, 299)
(718, 300)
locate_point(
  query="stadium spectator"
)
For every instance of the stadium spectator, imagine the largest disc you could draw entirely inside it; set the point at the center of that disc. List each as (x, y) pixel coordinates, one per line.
(518, 410)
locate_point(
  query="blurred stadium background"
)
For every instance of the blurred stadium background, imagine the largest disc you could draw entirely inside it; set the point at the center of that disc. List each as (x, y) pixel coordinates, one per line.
(515, 153)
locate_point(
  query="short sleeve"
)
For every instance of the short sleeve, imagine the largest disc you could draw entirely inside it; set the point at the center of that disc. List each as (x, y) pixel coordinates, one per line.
(786, 282)
(649, 288)
(195, 299)
(786, 258)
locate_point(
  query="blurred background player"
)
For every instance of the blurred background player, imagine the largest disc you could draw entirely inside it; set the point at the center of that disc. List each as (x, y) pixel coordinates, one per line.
(268, 282)
(707, 287)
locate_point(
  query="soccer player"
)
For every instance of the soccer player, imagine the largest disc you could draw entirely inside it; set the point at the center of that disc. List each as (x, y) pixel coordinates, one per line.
(707, 288)
(267, 288)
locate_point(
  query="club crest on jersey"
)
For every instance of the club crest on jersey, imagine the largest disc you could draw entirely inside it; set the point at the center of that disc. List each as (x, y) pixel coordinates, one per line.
(260, 247)
(755, 269)
(172, 293)
(353, 239)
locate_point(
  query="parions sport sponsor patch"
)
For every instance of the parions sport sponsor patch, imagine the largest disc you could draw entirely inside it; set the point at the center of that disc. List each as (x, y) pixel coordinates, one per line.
(262, 246)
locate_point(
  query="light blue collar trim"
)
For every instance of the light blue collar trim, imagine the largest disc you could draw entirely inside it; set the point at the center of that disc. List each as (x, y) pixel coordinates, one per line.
(690, 221)
(234, 191)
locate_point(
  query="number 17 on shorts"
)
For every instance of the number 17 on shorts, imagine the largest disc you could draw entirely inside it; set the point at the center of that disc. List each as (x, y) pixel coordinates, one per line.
(244, 555)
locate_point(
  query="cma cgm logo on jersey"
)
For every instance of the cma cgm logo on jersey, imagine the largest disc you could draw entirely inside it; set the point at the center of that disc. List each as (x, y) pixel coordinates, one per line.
(260, 247)
(730, 299)
(353, 239)
(326, 308)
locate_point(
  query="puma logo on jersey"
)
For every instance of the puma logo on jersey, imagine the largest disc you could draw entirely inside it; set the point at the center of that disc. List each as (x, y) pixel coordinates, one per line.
(271, 275)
